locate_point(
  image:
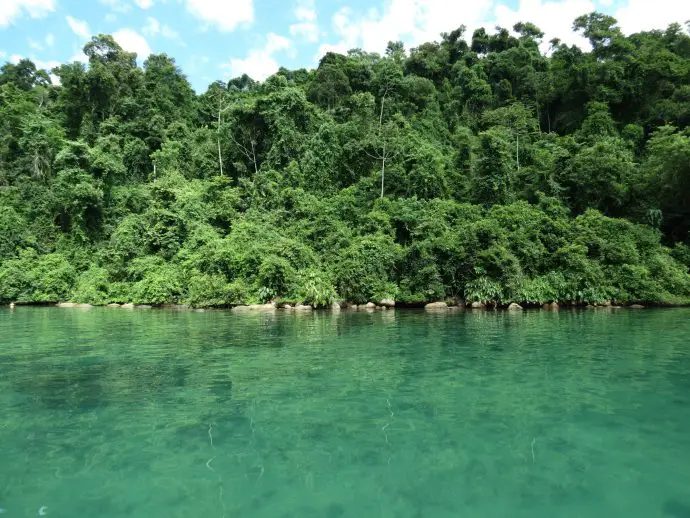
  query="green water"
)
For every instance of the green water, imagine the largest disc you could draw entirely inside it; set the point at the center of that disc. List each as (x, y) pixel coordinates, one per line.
(116, 413)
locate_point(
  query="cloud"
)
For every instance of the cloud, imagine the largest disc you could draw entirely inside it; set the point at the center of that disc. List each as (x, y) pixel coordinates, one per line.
(260, 63)
(50, 39)
(154, 28)
(412, 21)
(80, 57)
(144, 4)
(13, 9)
(554, 17)
(306, 26)
(119, 6)
(34, 44)
(2, 54)
(131, 41)
(79, 27)
(15, 58)
(642, 15)
(225, 15)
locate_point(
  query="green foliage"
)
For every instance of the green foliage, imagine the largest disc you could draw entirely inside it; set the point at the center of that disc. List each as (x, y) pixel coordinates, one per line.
(489, 172)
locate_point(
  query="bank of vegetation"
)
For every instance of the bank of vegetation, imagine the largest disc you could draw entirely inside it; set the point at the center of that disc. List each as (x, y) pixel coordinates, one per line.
(479, 169)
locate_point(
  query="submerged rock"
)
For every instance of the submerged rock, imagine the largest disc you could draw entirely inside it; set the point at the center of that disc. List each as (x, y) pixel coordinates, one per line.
(436, 305)
(514, 307)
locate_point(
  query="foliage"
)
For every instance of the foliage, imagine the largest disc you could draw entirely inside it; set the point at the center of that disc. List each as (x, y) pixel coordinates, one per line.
(488, 172)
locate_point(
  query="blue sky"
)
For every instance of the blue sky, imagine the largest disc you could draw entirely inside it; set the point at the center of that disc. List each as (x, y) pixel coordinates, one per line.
(219, 39)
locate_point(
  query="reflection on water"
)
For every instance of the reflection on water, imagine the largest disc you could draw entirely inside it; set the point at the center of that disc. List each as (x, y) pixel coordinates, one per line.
(396, 414)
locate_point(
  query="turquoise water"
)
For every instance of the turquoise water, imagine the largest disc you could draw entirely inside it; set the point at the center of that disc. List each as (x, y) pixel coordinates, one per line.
(116, 413)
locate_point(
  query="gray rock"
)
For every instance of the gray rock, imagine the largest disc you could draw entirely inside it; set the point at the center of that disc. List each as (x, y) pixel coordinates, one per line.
(387, 303)
(636, 306)
(287, 306)
(129, 305)
(113, 305)
(369, 305)
(514, 307)
(436, 306)
(66, 305)
(142, 306)
(255, 307)
(303, 307)
(477, 305)
(335, 307)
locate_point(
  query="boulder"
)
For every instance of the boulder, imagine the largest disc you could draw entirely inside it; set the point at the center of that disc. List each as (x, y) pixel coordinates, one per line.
(552, 305)
(287, 306)
(66, 305)
(143, 306)
(129, 305)
(514, 307)
(436, 306)
(606, 304)
(255, 307)
(636, 306)
(113, 305)
(369, 305)
(335, 307)
(387, 303)
(303, 307)
(477, 305)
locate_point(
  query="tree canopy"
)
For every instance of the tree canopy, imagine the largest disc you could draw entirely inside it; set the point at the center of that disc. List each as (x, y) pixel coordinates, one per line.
(479, 170)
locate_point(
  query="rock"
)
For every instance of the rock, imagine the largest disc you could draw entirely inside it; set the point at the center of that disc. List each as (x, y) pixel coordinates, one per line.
(636, 306)
(436, 306)
(142, 306)
(606, 304)
(66, 305)
(477, 305)
(369, 305)
(199, 310)
(287, 306)
(11, 305)
(552, 305)
(255, 307)
(514, 307)
(113, 305)
(335, 307)
(129, 305)
(303, 307)
(387, 303)
(83, 306)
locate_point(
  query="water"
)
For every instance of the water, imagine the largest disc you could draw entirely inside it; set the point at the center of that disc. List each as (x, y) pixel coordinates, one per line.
(115, 413)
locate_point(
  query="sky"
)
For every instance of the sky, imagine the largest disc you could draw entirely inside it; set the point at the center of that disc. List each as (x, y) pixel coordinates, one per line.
(221, 39)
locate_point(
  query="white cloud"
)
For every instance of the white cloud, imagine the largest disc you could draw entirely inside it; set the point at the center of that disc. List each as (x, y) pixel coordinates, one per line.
(15, 58)
(554, 17)
(412, 21)
(12, 9)
(2, 54)
(131, 41)
(34, 44)
(153, 28)
(306, 26)
(144, 4)
(642, 15)
(119, 6)
(79, 27)
(80, 57)
(260, 63)
(225, 15)
(50, 39)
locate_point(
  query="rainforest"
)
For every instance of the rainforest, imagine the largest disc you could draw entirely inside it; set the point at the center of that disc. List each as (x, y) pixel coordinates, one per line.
(488, 168)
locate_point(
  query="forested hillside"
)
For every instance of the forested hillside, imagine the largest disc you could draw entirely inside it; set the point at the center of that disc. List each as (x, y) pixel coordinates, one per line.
(475, 169)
